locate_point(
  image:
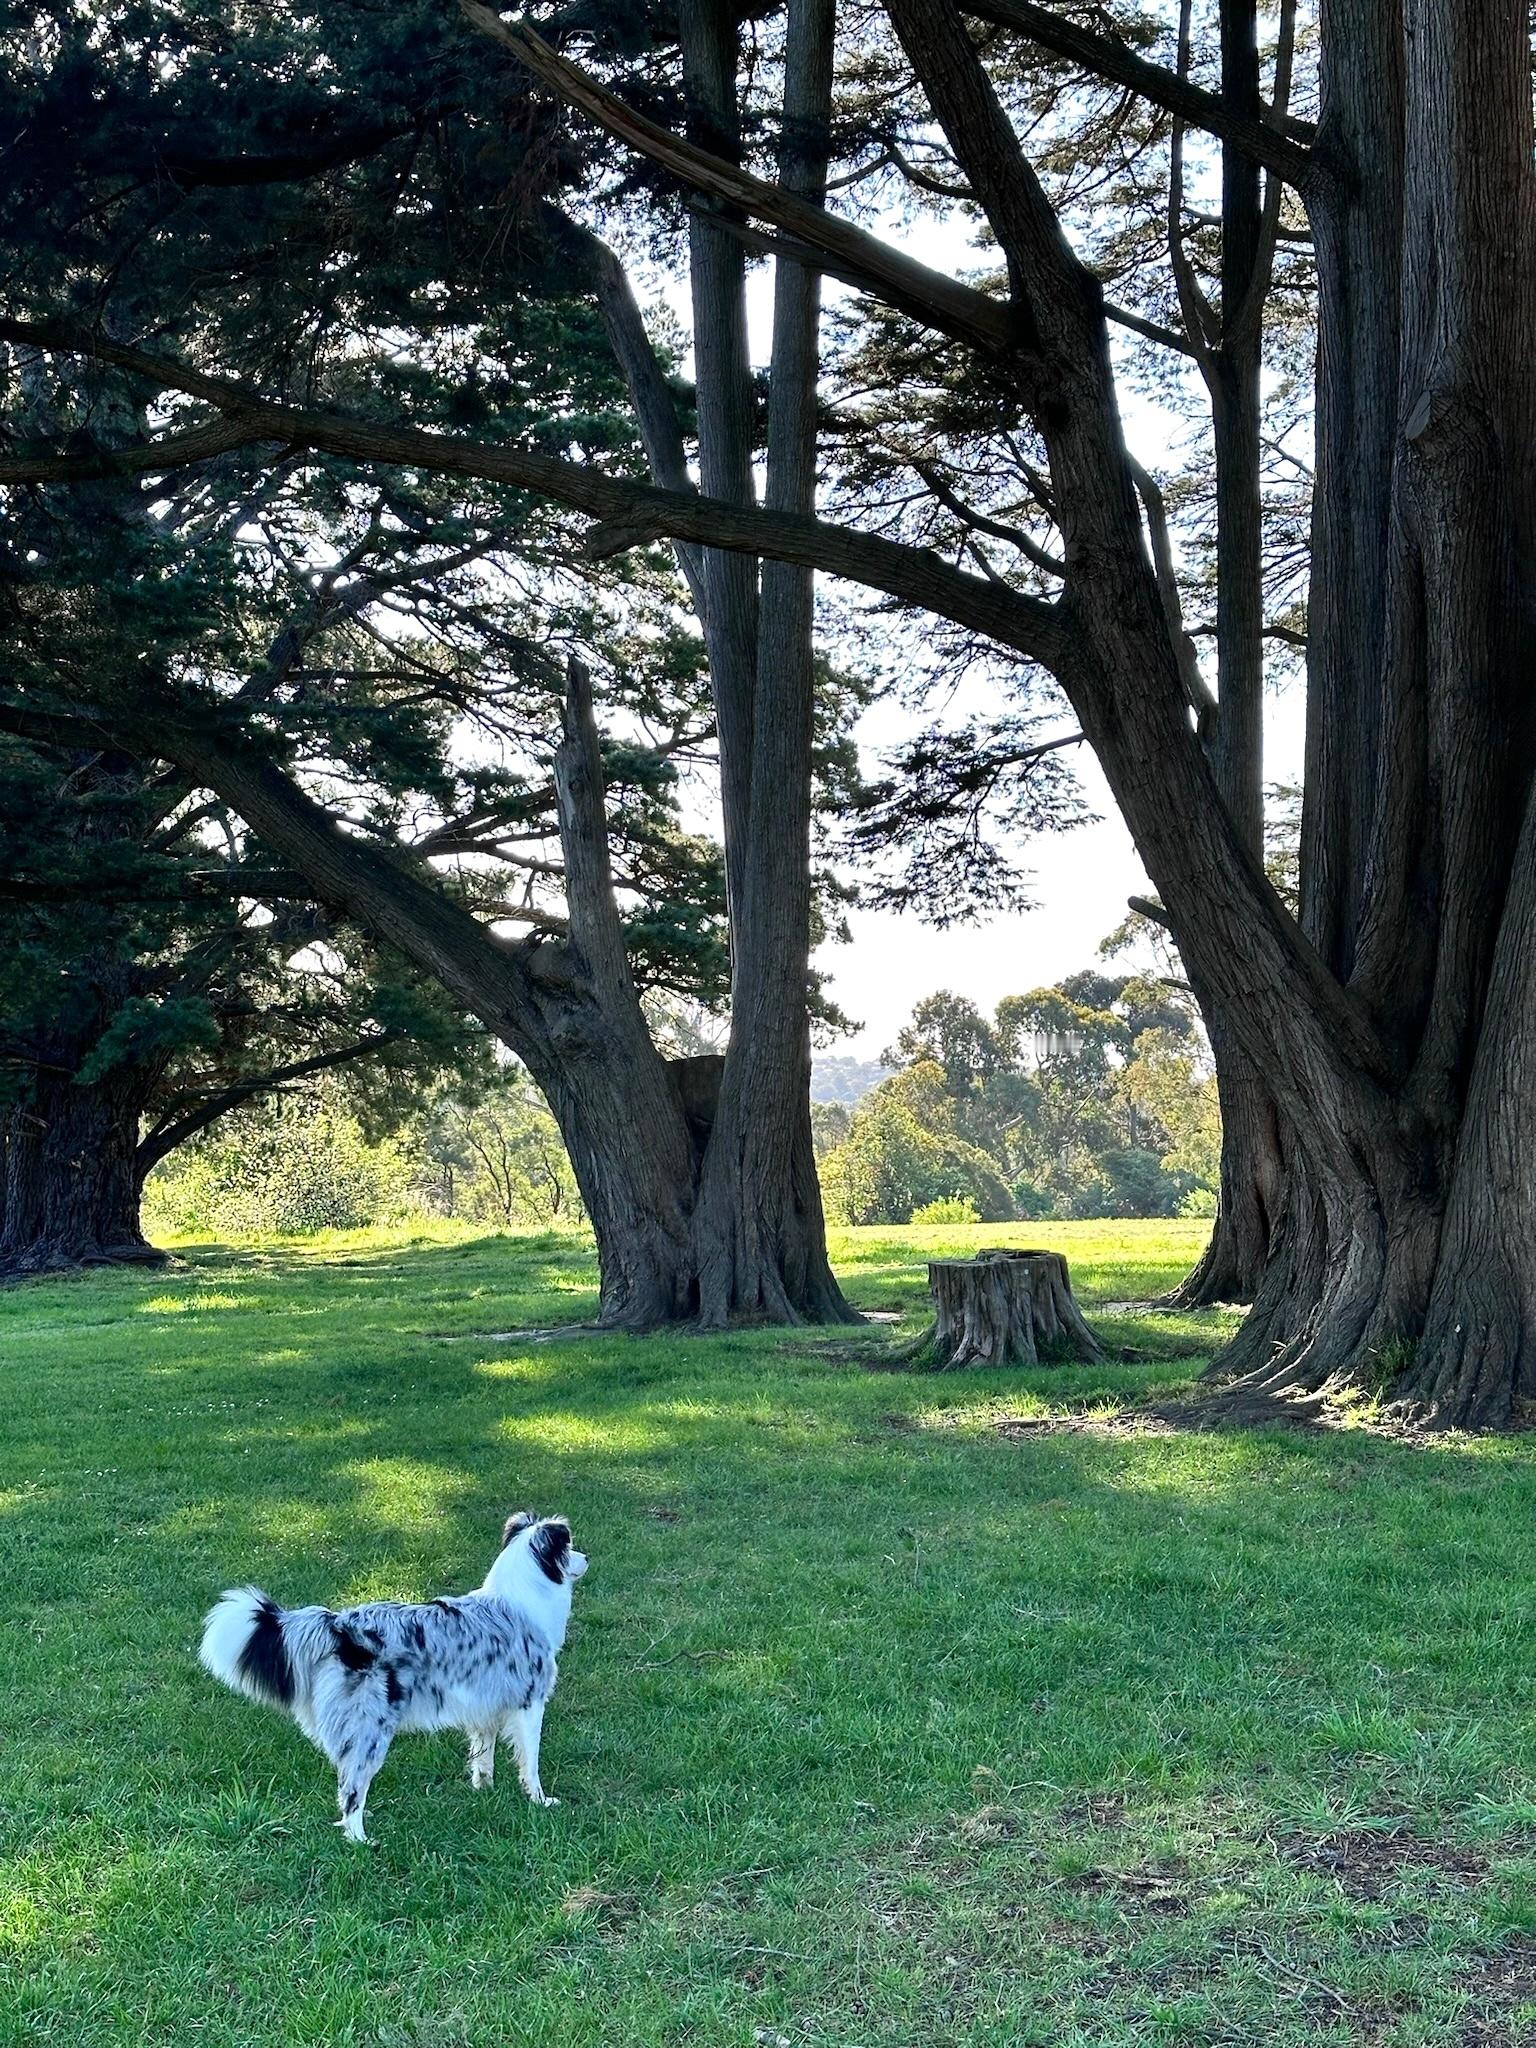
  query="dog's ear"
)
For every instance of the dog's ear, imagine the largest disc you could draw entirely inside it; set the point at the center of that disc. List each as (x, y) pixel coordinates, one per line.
(515, 1525)
(551, 1546)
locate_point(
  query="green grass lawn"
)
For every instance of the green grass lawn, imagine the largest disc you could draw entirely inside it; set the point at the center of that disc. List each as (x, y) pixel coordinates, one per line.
(883, 1720)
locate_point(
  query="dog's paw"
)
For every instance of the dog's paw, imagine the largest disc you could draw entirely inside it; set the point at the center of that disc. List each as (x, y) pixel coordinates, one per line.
(543, 1799)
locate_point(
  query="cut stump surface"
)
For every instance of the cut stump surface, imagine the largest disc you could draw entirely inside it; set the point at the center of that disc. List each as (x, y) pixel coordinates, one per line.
(1003, 1308)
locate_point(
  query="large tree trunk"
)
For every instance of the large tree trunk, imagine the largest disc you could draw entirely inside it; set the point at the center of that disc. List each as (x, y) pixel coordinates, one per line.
(71, 1166)
(71, 1177)
(1409, 1262)
(1477, 1356)
(1356, 216)
(636, 1179)
(727, 428)
(1232, 1267)
(760, 1229)
(1369, 1073)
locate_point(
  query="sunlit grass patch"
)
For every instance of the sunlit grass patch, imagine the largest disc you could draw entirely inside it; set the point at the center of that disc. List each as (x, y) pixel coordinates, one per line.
(201, 1302)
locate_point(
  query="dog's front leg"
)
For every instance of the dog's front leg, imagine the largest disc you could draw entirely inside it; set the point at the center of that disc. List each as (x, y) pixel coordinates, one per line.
(525, 1727)
(482, 1757)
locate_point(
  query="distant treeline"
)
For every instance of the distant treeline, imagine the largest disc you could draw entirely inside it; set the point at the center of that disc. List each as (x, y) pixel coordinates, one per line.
(1092, 1098)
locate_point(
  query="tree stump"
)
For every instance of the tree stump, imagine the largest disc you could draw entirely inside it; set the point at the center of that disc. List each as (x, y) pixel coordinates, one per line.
(1003, 1308)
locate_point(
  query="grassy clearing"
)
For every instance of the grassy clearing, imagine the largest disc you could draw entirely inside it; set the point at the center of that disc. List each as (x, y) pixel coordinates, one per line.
(877, 1725)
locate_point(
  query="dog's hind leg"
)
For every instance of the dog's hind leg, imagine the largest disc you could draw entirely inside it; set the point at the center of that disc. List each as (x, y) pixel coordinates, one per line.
(525, 1727)
(482, 1756)
(355, 1772)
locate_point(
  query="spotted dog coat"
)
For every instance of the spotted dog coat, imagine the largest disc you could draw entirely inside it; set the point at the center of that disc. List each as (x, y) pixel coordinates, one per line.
(354, 1678)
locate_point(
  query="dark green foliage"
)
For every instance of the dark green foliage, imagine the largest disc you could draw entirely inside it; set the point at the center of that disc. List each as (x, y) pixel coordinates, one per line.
(287, 199)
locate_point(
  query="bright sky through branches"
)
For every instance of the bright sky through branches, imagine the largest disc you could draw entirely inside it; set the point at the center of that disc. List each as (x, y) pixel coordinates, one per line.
(1081, 878)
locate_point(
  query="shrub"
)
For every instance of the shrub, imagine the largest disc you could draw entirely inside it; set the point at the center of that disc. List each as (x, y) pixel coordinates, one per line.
(889, 1165)
(308, 1167)
(948, 1209)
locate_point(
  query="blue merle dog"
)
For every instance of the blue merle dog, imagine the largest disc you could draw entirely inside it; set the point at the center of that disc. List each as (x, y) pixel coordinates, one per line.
(483, 1662)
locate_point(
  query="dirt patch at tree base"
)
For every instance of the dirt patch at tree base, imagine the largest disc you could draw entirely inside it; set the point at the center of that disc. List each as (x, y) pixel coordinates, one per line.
(1237, 1409)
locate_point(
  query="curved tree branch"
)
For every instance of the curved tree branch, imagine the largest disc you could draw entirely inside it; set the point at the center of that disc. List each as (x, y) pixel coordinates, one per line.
(166, 1136)
(929, 296)
(629, 514)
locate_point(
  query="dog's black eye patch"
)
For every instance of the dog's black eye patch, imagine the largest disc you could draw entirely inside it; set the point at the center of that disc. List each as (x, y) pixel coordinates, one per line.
(550, 1546)
(515, 1525)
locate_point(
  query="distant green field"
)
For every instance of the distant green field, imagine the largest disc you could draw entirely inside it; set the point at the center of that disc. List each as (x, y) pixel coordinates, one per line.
(893, 1712)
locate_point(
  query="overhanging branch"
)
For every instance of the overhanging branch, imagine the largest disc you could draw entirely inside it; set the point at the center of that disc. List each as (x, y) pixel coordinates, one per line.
(1278, 149)
(165, 1137)
(628, 513)
(149, 458)
(954, 308)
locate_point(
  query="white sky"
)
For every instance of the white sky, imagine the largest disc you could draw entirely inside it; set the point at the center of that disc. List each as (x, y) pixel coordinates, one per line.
(1082, 880)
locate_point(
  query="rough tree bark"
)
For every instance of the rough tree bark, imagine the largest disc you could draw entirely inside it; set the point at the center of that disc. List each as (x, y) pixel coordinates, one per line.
(1253, 1179)
(71, 1176)
(1408, 1262)
(727, 436)
(759, 1228)
(760, 1235)
(1003, 1309)
(71, 1170)
(1227, 342)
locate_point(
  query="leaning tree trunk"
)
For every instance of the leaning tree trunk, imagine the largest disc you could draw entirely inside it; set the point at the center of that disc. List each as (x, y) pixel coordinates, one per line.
(1369, 1075)
(568, 1011)
(72, 1178)
(1003, 1308)
(633, 1177)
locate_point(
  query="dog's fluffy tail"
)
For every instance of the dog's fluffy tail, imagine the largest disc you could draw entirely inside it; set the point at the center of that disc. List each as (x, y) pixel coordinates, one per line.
(275, 1654)
(244, 1647)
